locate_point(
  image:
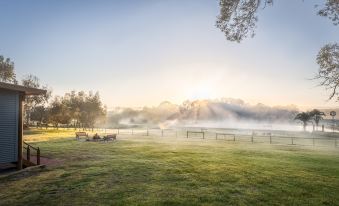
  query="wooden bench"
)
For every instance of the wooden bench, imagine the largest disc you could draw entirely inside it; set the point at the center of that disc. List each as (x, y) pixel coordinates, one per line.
(80, 134)
(110, 137)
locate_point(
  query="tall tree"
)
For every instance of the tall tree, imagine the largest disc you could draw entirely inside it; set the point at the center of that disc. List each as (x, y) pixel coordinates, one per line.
(317, 116)
(304, 117)
(79, 108)
(92, 110)
(74, 100)
(330, 10)
(40, 115)
(328, 74)
(238, 19)
(59, 112)
(37, 100)
(7, 73)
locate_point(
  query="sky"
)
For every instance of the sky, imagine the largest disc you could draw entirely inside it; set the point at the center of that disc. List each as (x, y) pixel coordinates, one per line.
(139, 53)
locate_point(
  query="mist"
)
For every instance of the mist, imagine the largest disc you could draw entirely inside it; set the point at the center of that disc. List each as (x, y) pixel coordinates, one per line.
(218, 113)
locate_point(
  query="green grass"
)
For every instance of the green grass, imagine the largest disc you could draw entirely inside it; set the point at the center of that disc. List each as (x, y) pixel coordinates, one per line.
(139, 170)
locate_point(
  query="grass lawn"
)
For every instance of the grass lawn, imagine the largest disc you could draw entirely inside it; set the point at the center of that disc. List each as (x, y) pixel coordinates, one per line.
(140, 170)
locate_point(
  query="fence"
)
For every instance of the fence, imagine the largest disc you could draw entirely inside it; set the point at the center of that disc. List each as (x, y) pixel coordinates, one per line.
(249, 136)
(326, 139)
(28, 149)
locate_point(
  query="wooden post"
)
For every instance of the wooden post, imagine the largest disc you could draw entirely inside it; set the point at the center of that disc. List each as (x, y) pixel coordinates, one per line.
(38, 156)
(20, 130)
(216, 135)
(270, 138)
(335, 142)
(313, 142)
(187, 134)
(292, 140)
(28, 153)
(203, 135)
(252, 138)
(118, 131)
(233, 138)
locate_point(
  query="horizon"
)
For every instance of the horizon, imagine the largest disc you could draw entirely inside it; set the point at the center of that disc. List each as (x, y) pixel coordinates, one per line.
(300, 108)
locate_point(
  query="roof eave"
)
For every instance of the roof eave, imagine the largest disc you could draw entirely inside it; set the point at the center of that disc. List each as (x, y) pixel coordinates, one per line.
(22, 89)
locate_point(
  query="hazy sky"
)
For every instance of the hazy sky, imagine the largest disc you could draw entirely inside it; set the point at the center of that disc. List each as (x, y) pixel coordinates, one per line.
(138, 53)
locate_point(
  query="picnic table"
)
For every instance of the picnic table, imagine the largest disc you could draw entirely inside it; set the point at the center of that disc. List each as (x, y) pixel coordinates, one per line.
(80, 134)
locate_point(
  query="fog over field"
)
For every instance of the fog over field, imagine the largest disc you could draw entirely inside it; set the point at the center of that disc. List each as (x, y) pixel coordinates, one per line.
(220, 113)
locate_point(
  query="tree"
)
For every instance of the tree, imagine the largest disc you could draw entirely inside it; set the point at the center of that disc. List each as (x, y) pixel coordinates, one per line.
(92, 110)
(317, 116)
(328, 74)
(304, 117)
(330, 10)
(31, 102)
(7, 71)
(40, 115)
(74, 101)
(59, 112)
(81, 109)
(238, 19)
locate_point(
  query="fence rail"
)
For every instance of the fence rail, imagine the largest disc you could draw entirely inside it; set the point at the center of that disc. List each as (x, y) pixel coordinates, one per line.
(224, 135)
(195, 132)
(269, 137)
(253, 137)
(29, 149)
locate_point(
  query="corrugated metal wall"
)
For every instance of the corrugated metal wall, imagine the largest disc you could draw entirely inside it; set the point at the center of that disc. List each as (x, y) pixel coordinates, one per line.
(9, 109)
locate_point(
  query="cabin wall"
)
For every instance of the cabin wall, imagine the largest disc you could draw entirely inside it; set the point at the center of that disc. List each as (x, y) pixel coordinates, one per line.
(9, 114)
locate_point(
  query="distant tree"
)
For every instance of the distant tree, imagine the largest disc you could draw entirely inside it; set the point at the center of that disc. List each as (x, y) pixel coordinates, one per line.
(317, 116)
(7, 73)
(40, 115)
(304, 117)
(83, 110)
(74, 101)
(58, 113)
(31, 102)
(92, 110)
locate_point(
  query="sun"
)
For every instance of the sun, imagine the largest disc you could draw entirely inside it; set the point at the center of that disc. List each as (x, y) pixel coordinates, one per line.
(202, 91)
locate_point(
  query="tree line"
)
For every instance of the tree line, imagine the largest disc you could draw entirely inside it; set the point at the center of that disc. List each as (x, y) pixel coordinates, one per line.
(74, 109)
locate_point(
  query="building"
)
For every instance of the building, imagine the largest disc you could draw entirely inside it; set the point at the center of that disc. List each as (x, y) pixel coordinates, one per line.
(11, 121)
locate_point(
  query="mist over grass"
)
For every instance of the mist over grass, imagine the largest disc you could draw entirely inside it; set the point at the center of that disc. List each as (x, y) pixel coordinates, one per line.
(225, 112)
